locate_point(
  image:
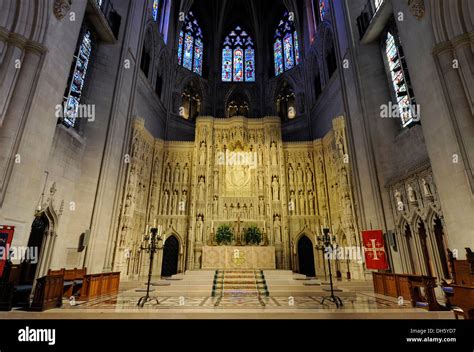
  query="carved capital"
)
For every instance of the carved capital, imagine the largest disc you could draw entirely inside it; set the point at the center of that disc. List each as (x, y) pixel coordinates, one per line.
(417, 8)
(61, 8)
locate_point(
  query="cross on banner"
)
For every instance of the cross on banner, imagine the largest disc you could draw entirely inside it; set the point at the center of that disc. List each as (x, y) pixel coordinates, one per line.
(374, 250)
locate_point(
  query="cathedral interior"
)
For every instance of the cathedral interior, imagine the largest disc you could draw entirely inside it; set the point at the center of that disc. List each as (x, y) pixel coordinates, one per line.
(238, 153)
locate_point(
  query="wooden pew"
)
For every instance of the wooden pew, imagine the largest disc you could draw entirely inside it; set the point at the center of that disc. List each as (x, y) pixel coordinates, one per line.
(96, 285)
(418, 289)
(460, 292)
(48, 291)
(73, 279)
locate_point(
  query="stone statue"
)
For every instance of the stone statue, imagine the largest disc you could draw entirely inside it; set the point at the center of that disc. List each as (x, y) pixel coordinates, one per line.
(185, 174)
(291, 176)
(176, 174)
(299, 174)
(292, 201)
(165, 203)
(260, 181)
(273, 154)
(167, 173)
(309, 175)
(174, 202)
(260, 156)
(277, 229)
(411, 194)
(261, 206)
(202, 154)
(426, 188)
(302, 203)
(201, 188)
(184, 197)
(398, 199)
(311, 202)
(275, 190)
(199, 229)
(226, 211)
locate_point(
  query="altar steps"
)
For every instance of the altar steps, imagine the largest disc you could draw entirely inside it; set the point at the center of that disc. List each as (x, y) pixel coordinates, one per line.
(239, 283)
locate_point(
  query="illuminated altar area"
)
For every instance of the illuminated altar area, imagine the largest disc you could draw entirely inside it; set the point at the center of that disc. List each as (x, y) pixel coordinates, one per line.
(237, 172)
(238, 257)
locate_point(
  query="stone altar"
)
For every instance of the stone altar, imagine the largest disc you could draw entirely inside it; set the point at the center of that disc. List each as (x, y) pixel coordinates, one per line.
(238, 257)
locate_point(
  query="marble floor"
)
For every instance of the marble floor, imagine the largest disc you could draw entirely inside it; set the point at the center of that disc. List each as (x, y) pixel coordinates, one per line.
(124, 306)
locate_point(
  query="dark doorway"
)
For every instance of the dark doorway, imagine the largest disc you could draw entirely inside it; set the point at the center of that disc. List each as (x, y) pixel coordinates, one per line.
(170, 257)
(439, 235)
(424, 248)
(28, 266)
(306, 257)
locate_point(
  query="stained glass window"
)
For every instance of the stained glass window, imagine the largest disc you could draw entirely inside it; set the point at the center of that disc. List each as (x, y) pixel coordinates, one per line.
(249, 62)
(400, 80)
(197, 66)
(278, 57)
(227, 65)
(323, 9)
(286, 47)
(180, 47)
(297, 48)
(190, 45)
(74, 91)
(238, 57)
(154, 11)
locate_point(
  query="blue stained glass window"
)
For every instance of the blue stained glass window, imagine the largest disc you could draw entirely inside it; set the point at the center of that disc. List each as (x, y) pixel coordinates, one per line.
(238, 65)
(278, 57)
(238, 57)
(74, 90)
(297, 48)
(227, 65)
(197, 67)
(180, 47)
(286, 48)
(249, 65)
(154, 11)
(323, 9)
(190, 45)
(188, 51)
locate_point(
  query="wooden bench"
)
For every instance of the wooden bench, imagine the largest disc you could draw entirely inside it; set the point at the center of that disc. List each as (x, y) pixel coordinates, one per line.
(417, 289)
(96, 285)
(460, 292)
(48, 291)
(73, 279)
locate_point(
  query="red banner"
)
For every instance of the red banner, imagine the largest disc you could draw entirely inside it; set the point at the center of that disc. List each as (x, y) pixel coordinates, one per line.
(6, 237)
(374, 250)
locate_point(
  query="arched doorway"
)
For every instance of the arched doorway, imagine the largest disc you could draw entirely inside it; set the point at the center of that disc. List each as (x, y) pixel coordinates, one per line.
(29, 266)
(306, 257)
(440, 244)
(426, 260)
(170, 257)
(410, 251)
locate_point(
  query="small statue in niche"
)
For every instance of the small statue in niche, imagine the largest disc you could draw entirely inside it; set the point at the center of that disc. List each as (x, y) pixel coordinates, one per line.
(275, 188)
(186, 174)
(202, 154)
(167, 173)
(176, 174)
(291, 175)
(201, 188)
(277, 229)
(261, 206)
(215, 209)
(299, 174)
(260, 181)
(411, 194)
(174, 202)
(164, 209)
(273, 153)
(398, 200)
(311, 202)
(199, 229)
(426, 188)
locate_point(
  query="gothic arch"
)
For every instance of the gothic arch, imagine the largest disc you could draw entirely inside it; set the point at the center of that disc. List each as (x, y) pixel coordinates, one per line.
(238, 90)
(451, 18)
(171, 232)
